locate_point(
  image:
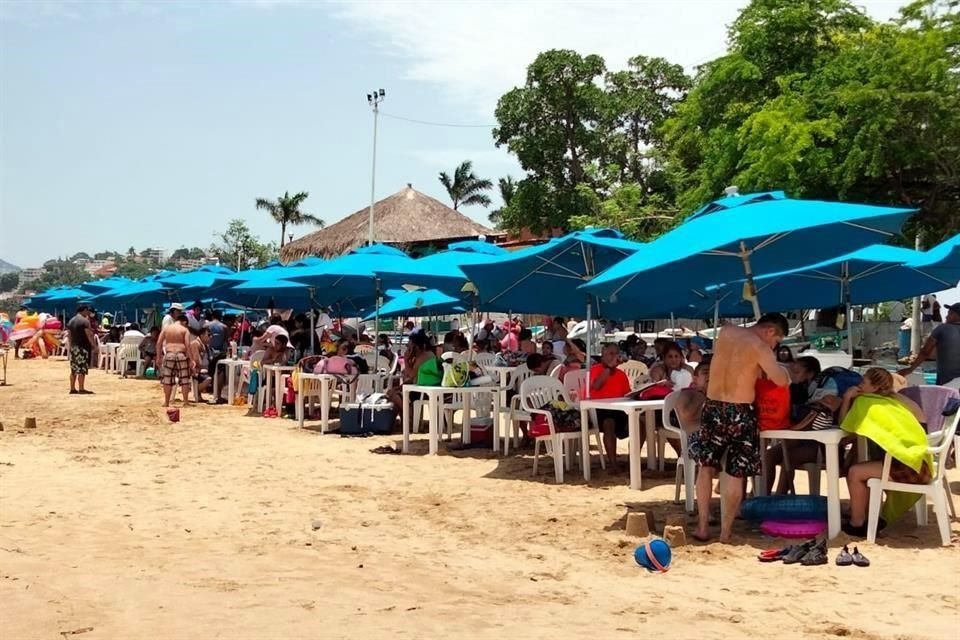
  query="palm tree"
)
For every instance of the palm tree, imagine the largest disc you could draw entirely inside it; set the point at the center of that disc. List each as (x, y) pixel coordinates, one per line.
(465, 187)
(286, 211)
(508, 187)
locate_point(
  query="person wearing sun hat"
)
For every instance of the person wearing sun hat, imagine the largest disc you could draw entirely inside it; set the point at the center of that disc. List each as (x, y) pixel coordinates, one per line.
(173, 312)
(944, 341)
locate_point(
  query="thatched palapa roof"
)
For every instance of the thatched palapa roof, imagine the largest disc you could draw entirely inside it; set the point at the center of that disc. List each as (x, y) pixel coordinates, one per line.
(406, 218)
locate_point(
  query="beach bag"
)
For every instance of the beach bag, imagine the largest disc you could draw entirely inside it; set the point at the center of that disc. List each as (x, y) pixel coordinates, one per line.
(254, 385)
(844, 378)
(655, 391)
(772, 404)
(565, 419)
(455, 374)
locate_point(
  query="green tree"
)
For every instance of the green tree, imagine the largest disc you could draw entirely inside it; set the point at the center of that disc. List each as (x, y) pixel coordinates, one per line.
(465, 187)
(105, 255)
(236, 246)
(181, 253)
(285, 210)
(638, 101)
(9, 281)
(629, 208)
(507, 187)
(816, 99)
(551, 125)
(82, 255)
(133, 270)
(58, 273)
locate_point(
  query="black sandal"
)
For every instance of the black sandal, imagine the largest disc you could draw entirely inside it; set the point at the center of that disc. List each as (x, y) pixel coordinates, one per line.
(816, 556)
(797, 553)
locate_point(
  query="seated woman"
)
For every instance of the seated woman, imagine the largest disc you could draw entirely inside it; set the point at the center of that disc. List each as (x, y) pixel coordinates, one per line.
(574, 356)
(678, 372)
(693, 351)
(892, 421)
(421, 366)
(276, 352)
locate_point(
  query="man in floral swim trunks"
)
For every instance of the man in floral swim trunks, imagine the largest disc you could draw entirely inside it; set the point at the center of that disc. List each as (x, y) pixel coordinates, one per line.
(729, 422)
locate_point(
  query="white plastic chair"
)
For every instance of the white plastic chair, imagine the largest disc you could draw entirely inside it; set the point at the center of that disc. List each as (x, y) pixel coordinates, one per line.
(484, 360)
(937, 489)
(636, 371)
(555, 372)
(686, 467)
(536, 392)
(106, 355)
(129, 353)
(516, 414)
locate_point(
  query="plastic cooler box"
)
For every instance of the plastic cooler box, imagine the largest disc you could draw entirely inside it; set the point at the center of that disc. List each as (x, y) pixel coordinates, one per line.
(481, 432)
(357, 419)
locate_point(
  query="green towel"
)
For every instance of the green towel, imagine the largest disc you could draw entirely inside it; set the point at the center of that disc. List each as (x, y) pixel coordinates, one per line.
(893, 427)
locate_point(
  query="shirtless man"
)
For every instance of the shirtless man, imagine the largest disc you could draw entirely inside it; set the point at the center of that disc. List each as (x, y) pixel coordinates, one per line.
(729, 422)
(173, 350)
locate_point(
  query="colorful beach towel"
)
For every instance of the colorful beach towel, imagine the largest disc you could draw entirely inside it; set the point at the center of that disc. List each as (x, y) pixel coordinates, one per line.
(894, 429)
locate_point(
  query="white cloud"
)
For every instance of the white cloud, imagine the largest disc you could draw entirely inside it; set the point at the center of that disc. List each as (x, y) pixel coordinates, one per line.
(476, 51)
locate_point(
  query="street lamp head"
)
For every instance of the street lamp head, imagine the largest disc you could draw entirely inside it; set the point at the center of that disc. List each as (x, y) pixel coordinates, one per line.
(369, 98)
(382, 93)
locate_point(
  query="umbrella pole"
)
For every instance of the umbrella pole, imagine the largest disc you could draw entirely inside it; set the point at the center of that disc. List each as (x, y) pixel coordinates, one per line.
(376, 317)
(716, 317)
(848, 312)
(673, 327)
(916, 332)
(313, 324)
(748, 270)
(589, 340)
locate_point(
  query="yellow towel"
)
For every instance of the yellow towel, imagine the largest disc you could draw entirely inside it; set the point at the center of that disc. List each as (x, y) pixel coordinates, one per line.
(893, 427)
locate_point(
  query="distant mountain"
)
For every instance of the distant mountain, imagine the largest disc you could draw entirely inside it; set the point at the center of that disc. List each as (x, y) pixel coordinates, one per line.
(6, 267)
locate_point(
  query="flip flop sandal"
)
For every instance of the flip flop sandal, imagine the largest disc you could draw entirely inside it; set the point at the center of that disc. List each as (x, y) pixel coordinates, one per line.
(797, 553)
(859, 559)
(816, 556)
(773, 555)
(844, 559)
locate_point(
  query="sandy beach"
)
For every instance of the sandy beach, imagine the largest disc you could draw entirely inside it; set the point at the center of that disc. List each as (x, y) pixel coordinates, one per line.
(115, 523)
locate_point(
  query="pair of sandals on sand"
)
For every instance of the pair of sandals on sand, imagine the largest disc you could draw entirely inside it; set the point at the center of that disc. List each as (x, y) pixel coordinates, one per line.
(813, 553)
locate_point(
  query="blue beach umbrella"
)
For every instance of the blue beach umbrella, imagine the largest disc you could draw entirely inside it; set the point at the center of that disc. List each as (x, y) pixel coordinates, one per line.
(541, 279)
(63, 299)
(107, 284)
(427, 301)
(738, 236)
(441, 271)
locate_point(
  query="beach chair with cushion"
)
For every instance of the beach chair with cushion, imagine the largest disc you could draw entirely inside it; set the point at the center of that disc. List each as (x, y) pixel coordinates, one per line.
(937, 489)
(537, 392)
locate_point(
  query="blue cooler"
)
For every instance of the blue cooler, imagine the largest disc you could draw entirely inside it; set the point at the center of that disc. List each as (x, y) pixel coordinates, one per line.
(903, 344)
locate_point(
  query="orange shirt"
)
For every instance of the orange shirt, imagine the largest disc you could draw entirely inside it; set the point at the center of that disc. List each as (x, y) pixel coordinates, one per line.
(617, 384)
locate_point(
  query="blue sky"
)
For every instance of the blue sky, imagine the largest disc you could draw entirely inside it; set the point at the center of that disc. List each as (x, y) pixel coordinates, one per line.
(152, 124)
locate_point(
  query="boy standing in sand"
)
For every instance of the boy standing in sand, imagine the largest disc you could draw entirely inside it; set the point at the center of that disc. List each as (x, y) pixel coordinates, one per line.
(729, 421)
(173, 349)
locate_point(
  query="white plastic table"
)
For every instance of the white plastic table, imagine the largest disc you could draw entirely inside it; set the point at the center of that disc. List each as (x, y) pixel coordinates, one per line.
(274, 381)
(434, 397)
(633, 409)
(327, 384)
(231, 366)
(830, 438)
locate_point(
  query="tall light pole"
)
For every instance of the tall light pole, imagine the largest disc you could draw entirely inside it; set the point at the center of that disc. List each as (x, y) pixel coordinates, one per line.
(374, 99)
